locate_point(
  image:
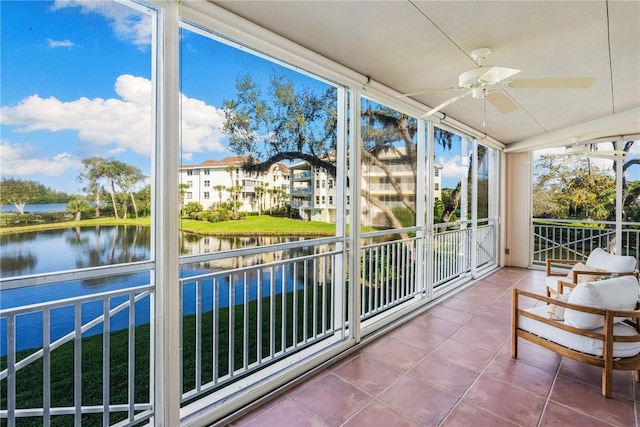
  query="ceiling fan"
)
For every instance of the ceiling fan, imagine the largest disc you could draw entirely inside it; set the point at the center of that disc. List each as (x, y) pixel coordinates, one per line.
(487, 83)
(591, 150)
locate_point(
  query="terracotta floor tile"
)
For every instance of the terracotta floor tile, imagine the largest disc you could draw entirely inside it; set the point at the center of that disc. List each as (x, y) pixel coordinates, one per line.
(474, 296)
(466, 355)
(516, 405)
(465, 414)
(418, 400)
(592, 375)
(522, 375)
(559, 415)
(422, 336)
(534, 355)
(368, 373)
(482, 338)
(434, 325)
(452, 315)
(396, 353)
(491, 322)
(379, 414)
(459, 303)
(588, 400)
(444, 374)
(333, 400)
(286, 413)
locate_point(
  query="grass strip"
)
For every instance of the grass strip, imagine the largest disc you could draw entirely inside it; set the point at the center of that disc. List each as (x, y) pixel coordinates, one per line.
(250, 226)
(29, 383)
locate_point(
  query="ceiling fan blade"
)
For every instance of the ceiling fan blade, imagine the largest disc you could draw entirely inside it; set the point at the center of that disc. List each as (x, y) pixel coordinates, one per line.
(553, 83)
(422, 92)
(501, 102)
(611, 156)
(444, 104)
(497, 74)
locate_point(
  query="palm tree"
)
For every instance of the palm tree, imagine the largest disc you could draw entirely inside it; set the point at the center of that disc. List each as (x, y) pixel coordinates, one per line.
(259, 193)
(219, 189)
(76, 206)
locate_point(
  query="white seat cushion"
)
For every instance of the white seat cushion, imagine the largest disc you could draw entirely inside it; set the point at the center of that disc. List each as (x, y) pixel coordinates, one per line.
(577, 342)
(617, 293)
(599, 258)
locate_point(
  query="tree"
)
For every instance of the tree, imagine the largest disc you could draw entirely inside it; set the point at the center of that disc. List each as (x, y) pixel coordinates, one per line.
(182, 190)
(259, 190)
(76, 207)
(121, 176)
(292, 124)
(18, 192)
(629, 162)
(219, 189)
(117, 177)
(575, 189)
(129, 176)
(92, 174)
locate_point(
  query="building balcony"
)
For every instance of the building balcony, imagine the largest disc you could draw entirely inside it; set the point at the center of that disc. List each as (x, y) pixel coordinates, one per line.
(301, 176)
(300, 190)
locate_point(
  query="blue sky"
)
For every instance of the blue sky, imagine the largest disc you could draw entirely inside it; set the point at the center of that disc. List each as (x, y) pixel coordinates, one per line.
(76, 82)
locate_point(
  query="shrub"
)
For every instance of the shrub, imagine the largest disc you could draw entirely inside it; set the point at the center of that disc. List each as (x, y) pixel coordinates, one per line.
(192, 207)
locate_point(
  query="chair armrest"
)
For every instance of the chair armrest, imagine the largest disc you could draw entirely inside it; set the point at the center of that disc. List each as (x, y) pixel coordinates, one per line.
(558, 261)
(576, 273)
(632, 315)
(564, 284)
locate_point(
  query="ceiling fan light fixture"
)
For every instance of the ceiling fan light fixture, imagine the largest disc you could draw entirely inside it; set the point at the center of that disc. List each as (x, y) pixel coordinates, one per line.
(480, 54)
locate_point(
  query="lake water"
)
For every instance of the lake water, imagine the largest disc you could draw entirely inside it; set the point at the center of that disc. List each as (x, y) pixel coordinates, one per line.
(36, 208)
(72, 248)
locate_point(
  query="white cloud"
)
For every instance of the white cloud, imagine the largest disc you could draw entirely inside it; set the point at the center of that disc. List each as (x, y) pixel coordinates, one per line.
(60, 43)
(118, 124)
(128, 24)
(201, 126)
(451, 168)
(24, 159)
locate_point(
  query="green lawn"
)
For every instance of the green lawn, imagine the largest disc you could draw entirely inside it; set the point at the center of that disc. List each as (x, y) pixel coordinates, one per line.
(251, 225)
(29, 384)
(264, 225)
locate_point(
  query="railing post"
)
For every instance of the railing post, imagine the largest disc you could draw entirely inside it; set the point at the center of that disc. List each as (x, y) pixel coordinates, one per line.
(167, 323)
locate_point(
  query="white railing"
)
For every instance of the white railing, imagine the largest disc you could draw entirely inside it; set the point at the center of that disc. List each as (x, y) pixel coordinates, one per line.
(388, 275)
(122, 380)
(247, 318)
(563, 239)
(451, 251)
(486, 250)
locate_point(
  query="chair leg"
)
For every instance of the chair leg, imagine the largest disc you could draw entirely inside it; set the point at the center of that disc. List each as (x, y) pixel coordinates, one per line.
(636, 376)
(514, 324)
(607, 377)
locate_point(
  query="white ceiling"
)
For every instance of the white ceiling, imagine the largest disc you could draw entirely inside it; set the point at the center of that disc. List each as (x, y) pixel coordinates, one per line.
(416, 45)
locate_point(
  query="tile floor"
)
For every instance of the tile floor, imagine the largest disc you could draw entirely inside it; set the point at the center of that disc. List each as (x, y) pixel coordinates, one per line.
(451, 366)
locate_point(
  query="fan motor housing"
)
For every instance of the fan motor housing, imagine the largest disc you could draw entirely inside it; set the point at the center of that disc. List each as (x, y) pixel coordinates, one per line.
(471, 79)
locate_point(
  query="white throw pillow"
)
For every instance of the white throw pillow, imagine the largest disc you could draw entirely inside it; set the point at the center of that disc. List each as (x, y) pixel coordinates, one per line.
(599, 258)
(585, 277)
(618, 293)
(556, 312)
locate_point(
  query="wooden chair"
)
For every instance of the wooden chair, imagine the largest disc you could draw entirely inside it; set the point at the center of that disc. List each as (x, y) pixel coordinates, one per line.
(599, 264)
(613, 345)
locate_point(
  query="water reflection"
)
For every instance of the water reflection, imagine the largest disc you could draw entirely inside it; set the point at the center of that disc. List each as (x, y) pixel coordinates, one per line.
(75, 247)
(58, 250)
